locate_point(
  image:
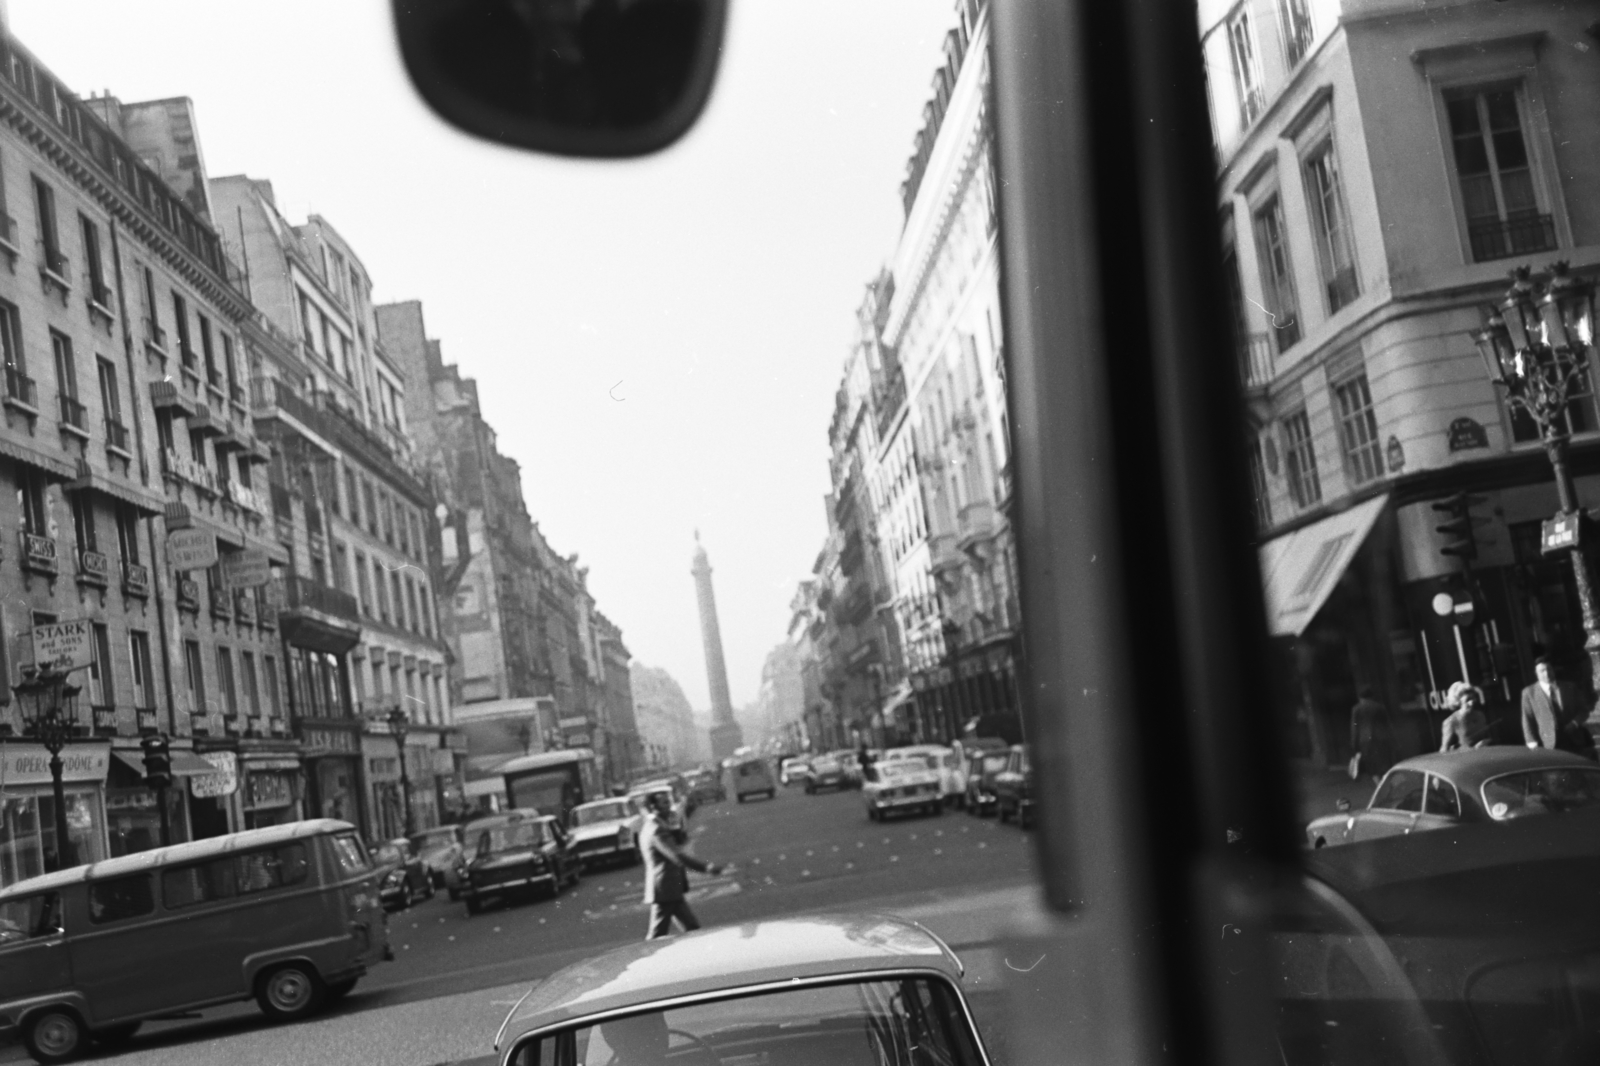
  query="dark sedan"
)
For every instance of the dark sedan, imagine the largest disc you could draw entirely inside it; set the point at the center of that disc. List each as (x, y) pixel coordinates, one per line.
(1013, 787)
(824, 772)
(517, 852)
(1493, 784)
(404, 878)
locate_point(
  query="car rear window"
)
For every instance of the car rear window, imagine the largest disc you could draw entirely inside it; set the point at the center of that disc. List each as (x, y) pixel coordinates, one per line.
(1533, 792)
(121, 898)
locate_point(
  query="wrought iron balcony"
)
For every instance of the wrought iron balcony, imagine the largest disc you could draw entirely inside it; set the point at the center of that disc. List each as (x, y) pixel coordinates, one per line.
(303, 593)
(200, 723)
(136, 580)
(1256, 360)
(117, 436)
(221, 604)
(1503, 238)
(145, 719)
(105, 720)
(73, 415)
(93, 567)
(20, 389)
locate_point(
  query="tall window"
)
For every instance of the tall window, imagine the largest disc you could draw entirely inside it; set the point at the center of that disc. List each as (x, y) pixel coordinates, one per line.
(213, 377)
(247, 673)
(35, 513)
(144, 696)
(269, 672)
(1260, 500)
(363, 592)
(425, 604)
(1330, 226)
(99, 291)
(111, 404)
(411, 604)
(195, 676)
(72, 412)
(352, 500)
(234, 392)
(370, 507)
(1298, 28)
(1277, 273)
(153, 321)
(100, 688)
(1300, 460)
(1358, 430)
(1246, 67)
(44, 198)
(399, 604)
(1496, 177)
(180, 317)
(377, 676)
(83, 521)
(230, 697)
(127, 535)
(11, 345)
(341, 564)
(383, 591)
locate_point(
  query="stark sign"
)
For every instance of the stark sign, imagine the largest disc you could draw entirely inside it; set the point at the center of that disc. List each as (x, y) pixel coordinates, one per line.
(64, 645)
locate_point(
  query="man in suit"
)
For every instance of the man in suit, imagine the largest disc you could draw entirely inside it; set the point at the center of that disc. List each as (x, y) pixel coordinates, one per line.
(666, 878)
(1553, 712)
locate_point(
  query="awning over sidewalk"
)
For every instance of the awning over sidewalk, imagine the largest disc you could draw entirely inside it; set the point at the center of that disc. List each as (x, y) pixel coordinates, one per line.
(184, 763)
(1300, 569)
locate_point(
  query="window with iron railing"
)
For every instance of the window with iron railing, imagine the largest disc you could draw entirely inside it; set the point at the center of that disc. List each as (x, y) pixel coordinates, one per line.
(1246, 65)
(1500, 193)
(1330, 227)
(44, 200)
(1280, 302)
(1299, 28)
(94, 266)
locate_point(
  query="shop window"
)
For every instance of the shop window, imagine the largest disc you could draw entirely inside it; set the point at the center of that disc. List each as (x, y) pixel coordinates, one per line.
(120, 898)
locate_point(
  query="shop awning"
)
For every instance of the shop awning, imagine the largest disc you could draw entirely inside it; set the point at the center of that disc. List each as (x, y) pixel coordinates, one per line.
(1300, 569)
(184, 763)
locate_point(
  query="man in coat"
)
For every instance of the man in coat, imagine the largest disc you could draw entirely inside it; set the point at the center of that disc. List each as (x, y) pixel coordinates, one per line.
(1553, 712)
(666, 878)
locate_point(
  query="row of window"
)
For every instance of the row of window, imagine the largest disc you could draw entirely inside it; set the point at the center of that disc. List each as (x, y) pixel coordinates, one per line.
(401, 600)
(384, 513)
(21, 388)
(243, 692)
(403, 687)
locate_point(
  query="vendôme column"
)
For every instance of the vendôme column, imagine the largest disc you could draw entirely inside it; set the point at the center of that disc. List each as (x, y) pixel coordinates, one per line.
(725, 735)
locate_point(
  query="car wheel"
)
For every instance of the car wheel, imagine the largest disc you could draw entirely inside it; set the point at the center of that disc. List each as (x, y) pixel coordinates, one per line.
(115, 1036)
(1321, 842)
(473, 906)
(55, 1034)
(289, 992)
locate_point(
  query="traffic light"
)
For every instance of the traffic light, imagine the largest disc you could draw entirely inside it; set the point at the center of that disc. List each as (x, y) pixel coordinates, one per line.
(1462, 542)
(157, 761)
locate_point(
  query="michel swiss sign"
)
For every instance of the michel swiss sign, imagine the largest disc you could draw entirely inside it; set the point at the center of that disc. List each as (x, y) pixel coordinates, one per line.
(192, 549)
(63, 645)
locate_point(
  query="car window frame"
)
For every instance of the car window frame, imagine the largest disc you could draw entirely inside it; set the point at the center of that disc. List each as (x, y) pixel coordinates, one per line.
(1455, 793)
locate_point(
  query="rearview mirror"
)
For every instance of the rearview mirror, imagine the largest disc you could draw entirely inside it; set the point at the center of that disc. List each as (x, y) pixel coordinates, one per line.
(603, 78)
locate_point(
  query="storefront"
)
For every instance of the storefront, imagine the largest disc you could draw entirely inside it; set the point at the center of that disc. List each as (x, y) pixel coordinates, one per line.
(271, 794)
(28, 844)
(211, 795)
(333, 771)
(133, 815)
(381, 756)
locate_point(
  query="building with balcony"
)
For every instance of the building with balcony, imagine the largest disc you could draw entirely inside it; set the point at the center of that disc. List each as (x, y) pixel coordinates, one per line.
(518, 615)
(1382, 165)
(359, 615)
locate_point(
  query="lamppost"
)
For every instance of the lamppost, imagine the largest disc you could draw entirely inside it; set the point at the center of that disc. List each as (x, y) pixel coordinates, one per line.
(1536, 347)
(399, 722)
(48, 703)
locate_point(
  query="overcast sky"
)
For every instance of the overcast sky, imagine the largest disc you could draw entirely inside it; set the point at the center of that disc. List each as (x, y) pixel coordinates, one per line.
(658, 343)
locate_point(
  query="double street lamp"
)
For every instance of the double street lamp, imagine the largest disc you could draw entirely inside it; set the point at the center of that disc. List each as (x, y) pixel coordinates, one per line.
(49, 708)
(399, 724)
(1535, 346)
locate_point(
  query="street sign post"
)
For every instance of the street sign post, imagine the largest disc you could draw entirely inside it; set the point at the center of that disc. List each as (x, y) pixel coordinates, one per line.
(63, 645)
(246, 569)
(192, 549)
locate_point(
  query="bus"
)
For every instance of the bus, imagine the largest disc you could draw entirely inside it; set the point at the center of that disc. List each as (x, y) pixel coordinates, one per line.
(552, 782)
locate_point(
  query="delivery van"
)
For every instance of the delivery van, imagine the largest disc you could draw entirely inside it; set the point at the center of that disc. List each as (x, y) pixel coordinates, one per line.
(752, 776)
(287, 915)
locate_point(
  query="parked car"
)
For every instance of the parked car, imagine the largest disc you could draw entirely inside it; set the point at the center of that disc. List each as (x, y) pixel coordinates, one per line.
(403, 877)
(850, 763)
(792, 771)
(899, 786)
(516, 852)
(752, 777)
(288, 915)
(1013, 787)
(606, 831)
(982, 766)
(824, 772)
(941, 760)
(440, 852)
(1493, 784)
(705, 786)
(827, 989)
(964, 749)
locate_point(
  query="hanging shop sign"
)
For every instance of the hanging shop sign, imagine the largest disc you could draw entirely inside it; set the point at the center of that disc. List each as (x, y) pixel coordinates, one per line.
(246, 569)
(268, 790)
(192, 549)
(63, 645)
(225, 782)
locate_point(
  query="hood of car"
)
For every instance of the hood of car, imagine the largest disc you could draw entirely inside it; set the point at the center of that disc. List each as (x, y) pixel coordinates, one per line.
(602, 829)
(507, 858)
(918, 777)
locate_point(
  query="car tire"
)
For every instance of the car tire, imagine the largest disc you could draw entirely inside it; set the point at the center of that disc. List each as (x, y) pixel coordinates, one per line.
(289, 992)
(54, 1034)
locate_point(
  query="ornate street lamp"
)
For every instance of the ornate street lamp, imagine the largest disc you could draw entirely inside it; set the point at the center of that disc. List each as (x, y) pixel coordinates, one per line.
(399, 724)
(1536, 347)
(48, 704)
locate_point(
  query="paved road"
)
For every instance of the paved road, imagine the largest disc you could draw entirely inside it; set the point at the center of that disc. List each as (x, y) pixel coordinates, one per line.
(454, 976)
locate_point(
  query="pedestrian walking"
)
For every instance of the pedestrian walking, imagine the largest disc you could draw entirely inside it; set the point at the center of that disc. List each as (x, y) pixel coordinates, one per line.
(1553, 712)
(666, 877)
(1467, 726)
(1370, 739)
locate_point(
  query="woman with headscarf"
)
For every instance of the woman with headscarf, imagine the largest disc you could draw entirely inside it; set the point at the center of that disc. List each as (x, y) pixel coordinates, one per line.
(1467, 726)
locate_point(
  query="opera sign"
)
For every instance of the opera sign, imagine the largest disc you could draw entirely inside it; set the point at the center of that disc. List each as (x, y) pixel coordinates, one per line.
(192, 549)
(63, 645)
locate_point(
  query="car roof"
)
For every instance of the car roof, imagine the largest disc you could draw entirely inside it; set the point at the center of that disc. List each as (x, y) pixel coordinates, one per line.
(603, 802)
(193, 850)
(507, 818)
(1474, 766)
(916, 749)
(729, 958)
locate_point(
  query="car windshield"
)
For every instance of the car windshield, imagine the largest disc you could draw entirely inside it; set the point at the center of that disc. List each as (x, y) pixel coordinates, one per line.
(601, 812)
(1535, 792)
(509, 837)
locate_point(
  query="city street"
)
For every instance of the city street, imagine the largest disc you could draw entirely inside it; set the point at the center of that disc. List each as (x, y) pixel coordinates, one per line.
(455, 977)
